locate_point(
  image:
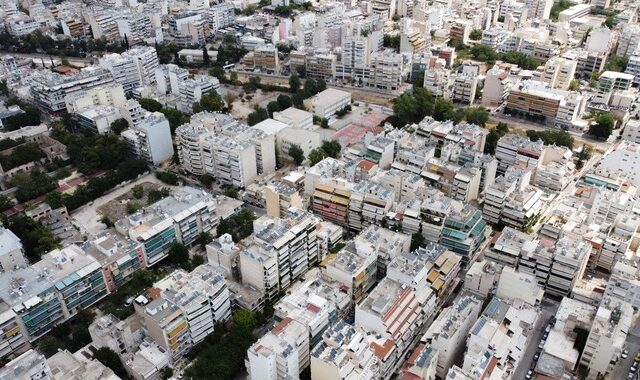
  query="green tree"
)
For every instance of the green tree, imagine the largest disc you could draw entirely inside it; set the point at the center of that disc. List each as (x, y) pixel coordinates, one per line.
(206, 60)
(245, 320)
(119, 125)
(259, 114)
(294, 83)
(166, 373)
(133, 207)
(616, 63)
(284, 101)
(557, 8)
(494, 135)
(49, 345)
(167, 177)
(5, 203)
(211, 102)
(477, 115)
(111, 360)
(55, 199)
(475, 34)
(316, 155)
(296, 153)
(178, 254)
(443, 109)
(484, 53)
(321, 85)
(137, 191)
(332, 148)
(32, 185)
(603, 127)
(150, 105)
(204, 238)
(574, 85)
(272, 107)
(310, 87)
(417, 241)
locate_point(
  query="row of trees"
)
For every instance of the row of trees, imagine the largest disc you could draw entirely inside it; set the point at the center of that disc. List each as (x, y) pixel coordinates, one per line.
(30, 115)
(412, 108)
(550, 137)
(38, 42)
(98, 186)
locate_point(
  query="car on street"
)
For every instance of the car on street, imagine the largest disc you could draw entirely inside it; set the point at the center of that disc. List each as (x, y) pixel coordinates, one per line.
(529, 374)
(625, 354)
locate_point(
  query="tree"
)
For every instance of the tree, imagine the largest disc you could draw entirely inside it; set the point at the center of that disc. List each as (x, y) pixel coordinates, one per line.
(557, 8)
(417, 241)
(310, 87)
(110, 359)
(412, 108)
(494, 135)
(206, 60)
(284, 101)
(616, 63)
(166, 373)
(443, 109)
(331, 148)
(211, 102)
(484, 53)
(258, 115)
(272, 107)
(150, 105)
(204, 238)
(574, 85)
(137, 191)
(475, 34)
(5, 203)
(32, 185)
(316, 155)
(167, 177)
(133, 207)
(119, 125)
(55, 199)
(477, 115)
(294, 83)
(49, 345)
(296, 153)
(321, 85)
(178, 254)
(245, 320)
(603, 127)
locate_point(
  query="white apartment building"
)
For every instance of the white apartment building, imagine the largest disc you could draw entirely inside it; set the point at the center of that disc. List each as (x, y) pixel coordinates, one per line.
(344, 352)
(631, 131)
(503, 330)
(20, 25)
(12, 254)
(514, 285)
(50, 89)
(229, 161)
(625, 159)
(624, 284)
(496, 87)
(633, 66)
(557, 268)
(150, 140)
(202, 296)
(124, 70)
(449, 331)
(481, 278)
(281, 353)
(607, 337)
(107, 95)
(326, 103)
(629, 40)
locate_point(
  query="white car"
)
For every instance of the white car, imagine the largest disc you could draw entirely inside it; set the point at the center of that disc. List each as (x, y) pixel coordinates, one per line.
(625, 354)
(529, 374)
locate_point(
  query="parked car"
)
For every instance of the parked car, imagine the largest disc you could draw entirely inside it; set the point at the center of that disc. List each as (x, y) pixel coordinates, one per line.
(529, 374)
(625, 354)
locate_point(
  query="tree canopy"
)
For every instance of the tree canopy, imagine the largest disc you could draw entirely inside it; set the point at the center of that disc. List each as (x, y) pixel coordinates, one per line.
(296, 153)
(603, 128)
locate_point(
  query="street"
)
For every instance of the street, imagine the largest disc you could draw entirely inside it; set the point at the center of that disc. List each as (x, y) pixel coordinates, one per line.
(621, 369)
(548, 308)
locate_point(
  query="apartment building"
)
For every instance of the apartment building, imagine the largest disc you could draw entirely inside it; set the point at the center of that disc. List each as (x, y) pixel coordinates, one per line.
(497, 85)
(464, 231)
(124, 70)
(502, 331)
(515, 150)
(231, 162)
(281, 353)
(107, 95)
(557, 267)
(295, 118)
(345, 351)
(330, 200)
(38, 297)
(259, 268)
(353, 268)
(49, 89)
(12, 254)
(631, 131)
(263, 57)
(119, 257)
(481, 278)
(150, 140)
(30, 365)
(397, 314)
(508, 245)
(624, 284)
(187, 28)
(202, 295)
(427, 215)
(607, 337)
(321, 66)
(180, 218)
(369, 203)
(294, 241)
(279, 198)
(449, 331)
(624, 160)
